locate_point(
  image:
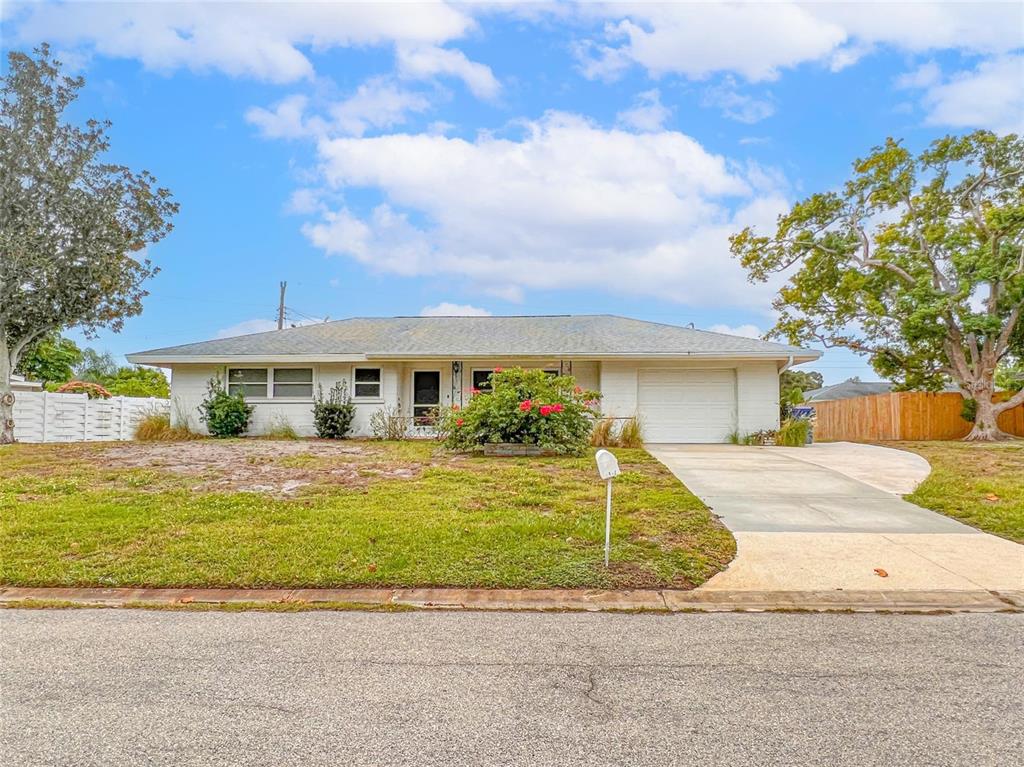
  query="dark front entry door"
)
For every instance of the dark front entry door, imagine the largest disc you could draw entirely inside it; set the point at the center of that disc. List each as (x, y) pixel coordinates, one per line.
(426, 395)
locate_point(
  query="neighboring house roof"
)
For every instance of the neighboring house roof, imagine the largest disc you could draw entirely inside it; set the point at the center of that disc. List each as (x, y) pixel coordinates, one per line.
(459, 337)
(851, 387)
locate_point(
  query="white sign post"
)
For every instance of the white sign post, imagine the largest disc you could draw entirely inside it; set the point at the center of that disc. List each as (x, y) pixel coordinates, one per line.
(608, 469)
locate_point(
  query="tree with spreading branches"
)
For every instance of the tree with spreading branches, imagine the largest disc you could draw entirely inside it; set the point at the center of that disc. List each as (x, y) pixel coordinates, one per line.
(916, 262)
(73, 227)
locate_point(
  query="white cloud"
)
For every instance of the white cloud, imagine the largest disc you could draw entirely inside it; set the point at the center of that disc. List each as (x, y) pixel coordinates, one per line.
(647, 112)
(286, 119)
(260, 325)
(746, 331)
(757, 40)
(924, 76)
(445, 309)
(426, 61)
(260, 40)
(698, 39)
(247, 327)
(569, 205)
(378, 103)
(735, 105)
(989, 96)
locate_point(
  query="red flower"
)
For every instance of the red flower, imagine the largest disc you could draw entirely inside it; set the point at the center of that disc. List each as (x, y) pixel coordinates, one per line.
(455, 408)
(498, 370)
(525, 405)
(459, 422)
(474, 391)
(557, 407)
(578, 390)
(545, 410)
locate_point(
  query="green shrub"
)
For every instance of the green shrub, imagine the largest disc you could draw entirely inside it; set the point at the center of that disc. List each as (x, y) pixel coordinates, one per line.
(527, 407)
(334, 415)
(794, 432)
(969, 409)
(225, 415)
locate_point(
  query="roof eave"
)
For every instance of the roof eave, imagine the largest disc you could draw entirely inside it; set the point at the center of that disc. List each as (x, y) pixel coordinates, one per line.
(155, 358)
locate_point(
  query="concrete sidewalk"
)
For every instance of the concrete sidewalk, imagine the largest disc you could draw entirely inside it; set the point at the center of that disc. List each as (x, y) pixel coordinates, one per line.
(589, 600)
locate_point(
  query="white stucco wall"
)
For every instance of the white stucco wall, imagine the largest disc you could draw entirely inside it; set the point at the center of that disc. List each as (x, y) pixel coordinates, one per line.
(757, 389)
(188, 387)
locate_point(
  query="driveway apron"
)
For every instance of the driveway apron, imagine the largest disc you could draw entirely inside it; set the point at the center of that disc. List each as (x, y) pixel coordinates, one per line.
(801, 525)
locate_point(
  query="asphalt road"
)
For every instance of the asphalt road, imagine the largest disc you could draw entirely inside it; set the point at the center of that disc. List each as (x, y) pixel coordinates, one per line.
(128, 687)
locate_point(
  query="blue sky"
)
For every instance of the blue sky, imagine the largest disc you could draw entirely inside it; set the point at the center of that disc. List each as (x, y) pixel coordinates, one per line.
(514, 159)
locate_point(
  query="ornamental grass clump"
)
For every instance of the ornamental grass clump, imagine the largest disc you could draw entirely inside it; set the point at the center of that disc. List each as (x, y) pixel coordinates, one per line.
(527, 407)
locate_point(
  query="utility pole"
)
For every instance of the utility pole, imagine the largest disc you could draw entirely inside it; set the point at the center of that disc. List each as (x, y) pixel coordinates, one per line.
(280, 307)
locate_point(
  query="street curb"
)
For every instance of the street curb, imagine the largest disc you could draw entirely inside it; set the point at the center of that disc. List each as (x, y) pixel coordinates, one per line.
(589, 600)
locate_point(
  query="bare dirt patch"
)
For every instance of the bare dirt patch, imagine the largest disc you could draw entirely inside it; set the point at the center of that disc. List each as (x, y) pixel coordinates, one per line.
(276, 467)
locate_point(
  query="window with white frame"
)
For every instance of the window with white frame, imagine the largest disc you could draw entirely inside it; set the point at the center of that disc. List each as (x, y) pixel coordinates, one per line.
(249, 382)
(366, 383)
(293, 382)
(264, 383)
(482, 380)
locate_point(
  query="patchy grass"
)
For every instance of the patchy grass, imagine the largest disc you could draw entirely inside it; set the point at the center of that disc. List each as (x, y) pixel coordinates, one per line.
(259, 513)
(981, 484)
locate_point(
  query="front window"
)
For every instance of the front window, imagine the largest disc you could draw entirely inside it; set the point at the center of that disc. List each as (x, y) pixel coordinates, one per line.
(367, 383)
(249, 382)
(293, 382)
(482, 380)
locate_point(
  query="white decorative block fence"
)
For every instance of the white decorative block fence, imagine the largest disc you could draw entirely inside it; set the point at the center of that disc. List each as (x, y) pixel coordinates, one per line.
(52, 417)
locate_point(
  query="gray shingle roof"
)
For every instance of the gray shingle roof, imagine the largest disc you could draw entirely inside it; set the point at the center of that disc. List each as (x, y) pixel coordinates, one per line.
(580, 335)
(848, 389)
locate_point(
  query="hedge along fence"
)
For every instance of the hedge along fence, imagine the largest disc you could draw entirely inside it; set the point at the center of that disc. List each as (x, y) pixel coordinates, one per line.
(54, 417)
(908, 415)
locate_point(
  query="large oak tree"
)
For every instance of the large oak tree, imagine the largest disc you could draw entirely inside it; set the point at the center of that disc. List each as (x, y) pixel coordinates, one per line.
(917, 262)
(73, 227)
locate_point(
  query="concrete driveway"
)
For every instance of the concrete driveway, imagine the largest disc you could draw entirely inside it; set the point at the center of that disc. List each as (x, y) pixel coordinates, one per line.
(830, 516)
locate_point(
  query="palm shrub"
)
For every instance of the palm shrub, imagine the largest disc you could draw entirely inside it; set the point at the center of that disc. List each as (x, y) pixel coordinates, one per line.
(527, 407)
(333, 415)
(225, 415)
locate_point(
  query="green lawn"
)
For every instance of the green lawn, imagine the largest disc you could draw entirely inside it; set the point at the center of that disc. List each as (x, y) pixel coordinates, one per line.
(216, 513)
(981, 484)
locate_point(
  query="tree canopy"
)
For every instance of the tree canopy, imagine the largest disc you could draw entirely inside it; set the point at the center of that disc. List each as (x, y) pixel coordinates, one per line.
(73, 227)
(917, 261)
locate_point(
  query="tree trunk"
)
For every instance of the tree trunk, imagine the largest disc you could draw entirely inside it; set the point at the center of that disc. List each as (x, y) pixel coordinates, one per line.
(6, 400)
(985, 428)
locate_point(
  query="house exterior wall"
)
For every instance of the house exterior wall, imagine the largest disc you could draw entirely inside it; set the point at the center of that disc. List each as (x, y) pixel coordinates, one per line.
(188, 387)
(757, 388)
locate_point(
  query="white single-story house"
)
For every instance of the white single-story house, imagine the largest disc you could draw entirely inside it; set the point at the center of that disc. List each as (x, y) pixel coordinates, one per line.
(685, 385)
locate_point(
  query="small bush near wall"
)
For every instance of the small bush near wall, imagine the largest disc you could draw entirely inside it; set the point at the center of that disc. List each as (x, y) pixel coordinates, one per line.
(388, 423)
(528, 407)
(333, 415)
(156, 427)
(225, 415)
(628, 433)
(281, 428)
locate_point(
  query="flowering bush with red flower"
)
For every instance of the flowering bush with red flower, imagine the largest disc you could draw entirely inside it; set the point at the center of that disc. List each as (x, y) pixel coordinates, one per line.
(525, 407)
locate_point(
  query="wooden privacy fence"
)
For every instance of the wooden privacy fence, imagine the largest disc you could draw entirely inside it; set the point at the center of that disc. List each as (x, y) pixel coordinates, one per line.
(53, 417)
(907, 415)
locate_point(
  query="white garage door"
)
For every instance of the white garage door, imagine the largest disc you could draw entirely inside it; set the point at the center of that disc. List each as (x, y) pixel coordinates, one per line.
(679, 405)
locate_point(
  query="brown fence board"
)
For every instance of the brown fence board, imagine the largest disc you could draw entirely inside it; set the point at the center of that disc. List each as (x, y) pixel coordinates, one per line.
(901, 416)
